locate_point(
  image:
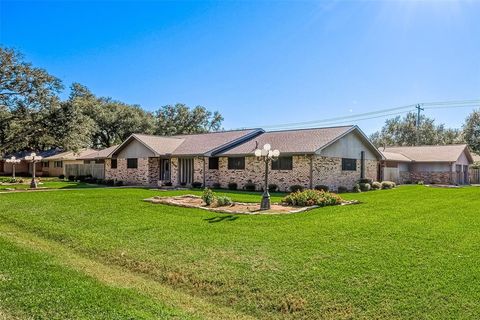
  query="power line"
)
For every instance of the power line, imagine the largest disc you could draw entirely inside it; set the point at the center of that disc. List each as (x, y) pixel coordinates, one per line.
(376, 114)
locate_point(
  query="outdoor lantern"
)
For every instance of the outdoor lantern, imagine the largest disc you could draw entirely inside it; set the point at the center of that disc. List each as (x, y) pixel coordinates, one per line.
(13, 161)
(33, 158)
(266, 155)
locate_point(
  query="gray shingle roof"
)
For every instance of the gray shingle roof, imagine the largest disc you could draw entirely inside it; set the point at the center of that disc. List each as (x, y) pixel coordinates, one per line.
(198, 144)
(100, 154)
(301, 141)
(191, 145)
(70, 155)
(447, 153)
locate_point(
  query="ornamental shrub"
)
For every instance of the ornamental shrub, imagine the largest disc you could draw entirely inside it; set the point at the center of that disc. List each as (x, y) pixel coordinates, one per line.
(356, 188)
(61, 177)
(216, 185)
(223, 201)
(342, 189)
(250, 186)
(196, 184)
(376, 185)
(388, 185)
(232, 186)
(208, 196)
(365, 186)
(296, 187)
(311, 197)
(272, 187)
(322, 187)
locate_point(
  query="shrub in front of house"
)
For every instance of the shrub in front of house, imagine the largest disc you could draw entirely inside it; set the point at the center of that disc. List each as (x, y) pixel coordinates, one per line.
(376, 185)
(296, 187)
(223, 201)
(61, 177)
(420, 183)
(342, 189)
(216, 185)
(208, 196)
(322, 187)
(388, 185)
(71, 178)
(119, 183)
(196, 184)
(365, 186)
(356, 188)
(311, 197)
(272, 187)
(233, 186)
(250, 186)
(168, 184)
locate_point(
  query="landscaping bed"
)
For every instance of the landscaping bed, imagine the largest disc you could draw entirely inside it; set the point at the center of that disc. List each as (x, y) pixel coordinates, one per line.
(193, 201)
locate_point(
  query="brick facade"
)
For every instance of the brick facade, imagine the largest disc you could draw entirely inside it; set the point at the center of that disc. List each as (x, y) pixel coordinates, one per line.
(427, 177)
(308, 171)
(139, 176)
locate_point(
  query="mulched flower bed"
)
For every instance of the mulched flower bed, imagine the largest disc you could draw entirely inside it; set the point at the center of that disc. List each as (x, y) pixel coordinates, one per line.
(192, 201)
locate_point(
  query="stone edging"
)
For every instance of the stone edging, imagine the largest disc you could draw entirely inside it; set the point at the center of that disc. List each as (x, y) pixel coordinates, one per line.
(164, 200)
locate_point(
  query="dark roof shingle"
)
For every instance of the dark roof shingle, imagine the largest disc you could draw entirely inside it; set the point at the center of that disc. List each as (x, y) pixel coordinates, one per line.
(301, 141)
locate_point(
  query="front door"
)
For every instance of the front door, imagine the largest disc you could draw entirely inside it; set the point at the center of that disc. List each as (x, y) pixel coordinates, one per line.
(185, 171)
(165, 169)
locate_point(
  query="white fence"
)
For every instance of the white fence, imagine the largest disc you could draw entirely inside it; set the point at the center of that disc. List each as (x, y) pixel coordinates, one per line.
(95, 170)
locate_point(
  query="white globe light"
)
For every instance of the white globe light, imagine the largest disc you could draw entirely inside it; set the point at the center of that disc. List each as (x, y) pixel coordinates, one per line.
(258, 153)
(267, 147)
(270, 153)
(33, 154)
(276, 153)
(264, 152)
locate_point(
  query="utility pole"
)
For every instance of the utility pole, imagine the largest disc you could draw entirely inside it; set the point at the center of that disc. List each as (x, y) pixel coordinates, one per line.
(419, 108)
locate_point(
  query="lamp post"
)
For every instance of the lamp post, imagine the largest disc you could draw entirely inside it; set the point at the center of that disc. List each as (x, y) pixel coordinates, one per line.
(266, 155)
(13, 161)
(33, 158)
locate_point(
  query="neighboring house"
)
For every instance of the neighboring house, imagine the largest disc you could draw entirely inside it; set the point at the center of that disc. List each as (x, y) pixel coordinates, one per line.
(25, 167)
(337, 156)
(55, 165)
(93, 164)
(446, 164)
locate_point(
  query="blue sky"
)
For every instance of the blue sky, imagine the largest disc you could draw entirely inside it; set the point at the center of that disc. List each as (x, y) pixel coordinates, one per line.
(258, 62)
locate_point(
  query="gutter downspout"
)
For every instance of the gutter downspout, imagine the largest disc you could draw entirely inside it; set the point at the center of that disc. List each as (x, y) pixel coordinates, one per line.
(204, 173)
(311, 171)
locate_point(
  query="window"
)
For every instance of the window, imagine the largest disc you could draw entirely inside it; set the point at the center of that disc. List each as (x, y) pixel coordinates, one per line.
(237, 163)
(349, 164)
(132, 163)
(283, 163)
(113, 164)
(213, 163)
(45, 164)
(58, 164)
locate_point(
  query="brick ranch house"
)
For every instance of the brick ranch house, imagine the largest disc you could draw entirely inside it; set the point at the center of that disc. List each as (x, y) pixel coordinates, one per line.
(336, 156)
(447, 164)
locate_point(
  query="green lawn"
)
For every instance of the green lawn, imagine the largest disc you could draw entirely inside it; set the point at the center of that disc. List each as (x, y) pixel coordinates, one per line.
(51, 185)
(412, 252)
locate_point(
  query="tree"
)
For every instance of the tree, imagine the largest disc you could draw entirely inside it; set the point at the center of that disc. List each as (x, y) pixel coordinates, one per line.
(403, 132)
(26, 95)
(180, 119)
(471, 131)
(113, 120)
(22, 85)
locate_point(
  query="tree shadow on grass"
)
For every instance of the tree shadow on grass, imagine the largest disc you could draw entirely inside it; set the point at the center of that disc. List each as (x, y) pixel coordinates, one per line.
(221, 218)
